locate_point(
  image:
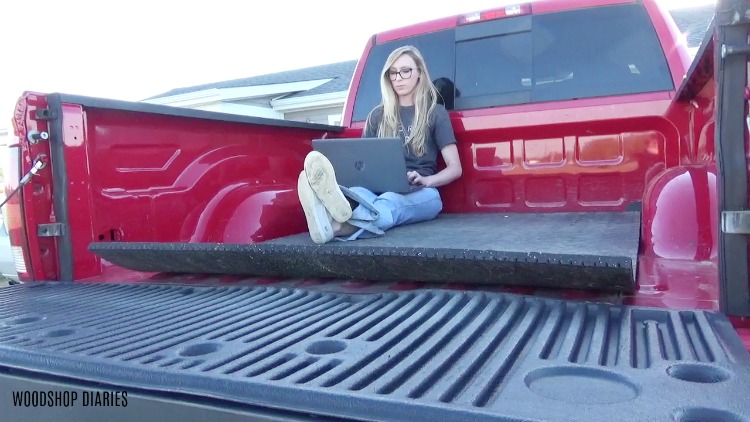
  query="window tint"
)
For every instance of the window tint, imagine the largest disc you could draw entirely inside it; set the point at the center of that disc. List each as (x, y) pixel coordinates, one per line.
(575, 54)
(503, 78)
(437, 49)
(584, 53)
(596, 52)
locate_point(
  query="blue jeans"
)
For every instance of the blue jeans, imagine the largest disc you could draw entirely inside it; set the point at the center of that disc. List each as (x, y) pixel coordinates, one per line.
(377, 213)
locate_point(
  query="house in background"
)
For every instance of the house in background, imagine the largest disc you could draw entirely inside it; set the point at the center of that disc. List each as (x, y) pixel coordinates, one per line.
(693, 22)
(317, 94)
(7, 137)
(314, 94)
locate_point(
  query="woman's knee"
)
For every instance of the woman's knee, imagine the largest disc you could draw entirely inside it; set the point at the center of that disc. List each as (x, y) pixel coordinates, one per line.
(413, 198)
(414, 207)
(429, 203)
(363, 193)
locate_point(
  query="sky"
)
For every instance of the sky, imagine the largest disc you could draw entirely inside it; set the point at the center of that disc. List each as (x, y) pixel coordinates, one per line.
(131, 50)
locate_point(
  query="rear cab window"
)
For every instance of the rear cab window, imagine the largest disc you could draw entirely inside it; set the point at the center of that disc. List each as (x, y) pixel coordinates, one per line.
(575, 54)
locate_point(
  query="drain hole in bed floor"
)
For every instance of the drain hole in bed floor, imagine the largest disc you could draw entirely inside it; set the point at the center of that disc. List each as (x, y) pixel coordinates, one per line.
(59, 333)
(200, 349)
(705, 414)
(326, 347)
(592, 386)
(698, 373)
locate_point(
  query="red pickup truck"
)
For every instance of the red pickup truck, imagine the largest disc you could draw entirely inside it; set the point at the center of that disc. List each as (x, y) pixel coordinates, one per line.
(590, 264)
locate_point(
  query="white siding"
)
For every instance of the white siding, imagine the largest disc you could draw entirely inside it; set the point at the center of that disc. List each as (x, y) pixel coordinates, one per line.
(259, 102)
(245, 110)
(6, 137)
(320, 115)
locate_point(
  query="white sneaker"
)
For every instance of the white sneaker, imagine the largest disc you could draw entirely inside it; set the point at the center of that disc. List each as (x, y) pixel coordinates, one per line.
(318, 218)
(322, 179)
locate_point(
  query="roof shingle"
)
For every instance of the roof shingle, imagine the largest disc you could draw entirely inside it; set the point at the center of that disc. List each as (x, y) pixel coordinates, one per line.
(693, 21)
(340, 73)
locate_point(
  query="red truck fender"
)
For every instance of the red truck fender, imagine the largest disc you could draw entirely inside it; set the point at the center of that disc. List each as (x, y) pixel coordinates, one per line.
(680, 219)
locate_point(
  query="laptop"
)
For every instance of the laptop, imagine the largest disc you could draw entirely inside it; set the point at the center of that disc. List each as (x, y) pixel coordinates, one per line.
(377, 164)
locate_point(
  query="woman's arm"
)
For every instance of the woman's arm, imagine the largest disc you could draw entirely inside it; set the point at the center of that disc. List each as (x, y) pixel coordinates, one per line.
(451, 172)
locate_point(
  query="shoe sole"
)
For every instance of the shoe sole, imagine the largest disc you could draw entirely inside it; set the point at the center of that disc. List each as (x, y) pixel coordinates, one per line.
(323, 182)
(315, 212)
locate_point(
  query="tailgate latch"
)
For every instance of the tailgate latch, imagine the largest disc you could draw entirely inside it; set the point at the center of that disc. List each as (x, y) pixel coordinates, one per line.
(735, 222)
(50, 230)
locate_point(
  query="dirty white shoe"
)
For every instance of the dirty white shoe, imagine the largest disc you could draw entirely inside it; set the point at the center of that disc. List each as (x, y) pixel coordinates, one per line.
(318, 218)
(322, 180)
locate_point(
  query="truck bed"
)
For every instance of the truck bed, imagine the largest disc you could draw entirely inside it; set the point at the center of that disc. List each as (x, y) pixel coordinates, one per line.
(421, 355)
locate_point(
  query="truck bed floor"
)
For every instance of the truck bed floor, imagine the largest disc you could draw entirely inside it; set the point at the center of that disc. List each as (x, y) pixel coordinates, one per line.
(596, 250)
(428, 355)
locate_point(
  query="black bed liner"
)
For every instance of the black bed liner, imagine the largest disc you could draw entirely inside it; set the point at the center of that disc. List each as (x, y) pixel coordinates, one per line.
(593, 250)
(428, 355)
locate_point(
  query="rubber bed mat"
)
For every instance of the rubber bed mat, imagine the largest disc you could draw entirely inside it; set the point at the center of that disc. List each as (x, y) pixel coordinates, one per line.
(596, 250)
(429, 355)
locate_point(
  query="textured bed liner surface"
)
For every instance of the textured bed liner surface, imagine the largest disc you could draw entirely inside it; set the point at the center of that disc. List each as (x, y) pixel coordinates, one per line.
(568, 250)
(427, 355)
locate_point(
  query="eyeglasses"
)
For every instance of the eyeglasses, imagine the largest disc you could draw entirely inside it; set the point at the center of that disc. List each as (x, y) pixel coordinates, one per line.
(405, 73)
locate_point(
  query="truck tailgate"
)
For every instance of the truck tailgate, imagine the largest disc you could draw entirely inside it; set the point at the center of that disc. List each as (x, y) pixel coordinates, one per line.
(424, 355)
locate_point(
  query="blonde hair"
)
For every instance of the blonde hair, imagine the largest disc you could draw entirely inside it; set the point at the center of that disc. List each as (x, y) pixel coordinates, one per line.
(425, 100)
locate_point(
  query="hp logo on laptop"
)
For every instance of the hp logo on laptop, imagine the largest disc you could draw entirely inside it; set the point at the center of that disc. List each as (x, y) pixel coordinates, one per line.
(359, 165)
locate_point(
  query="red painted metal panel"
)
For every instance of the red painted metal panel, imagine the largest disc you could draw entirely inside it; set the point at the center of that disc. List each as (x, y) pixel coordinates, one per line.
(681, 215)
(34, 205)
(590, 164)
(561, 5)
(450, 22)
(673, 43)
(346, 115)
(562, 112)
(420, 28)
(79, 190)
(175, 179)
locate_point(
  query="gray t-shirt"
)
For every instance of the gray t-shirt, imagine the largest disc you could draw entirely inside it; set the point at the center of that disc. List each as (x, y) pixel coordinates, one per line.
(439, 134)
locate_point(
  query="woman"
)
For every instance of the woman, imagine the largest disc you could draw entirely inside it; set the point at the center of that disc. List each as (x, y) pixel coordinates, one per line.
(408, 109)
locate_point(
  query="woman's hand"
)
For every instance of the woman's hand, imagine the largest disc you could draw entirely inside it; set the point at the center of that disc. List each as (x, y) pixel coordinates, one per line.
(417, 179)
(451, 172)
